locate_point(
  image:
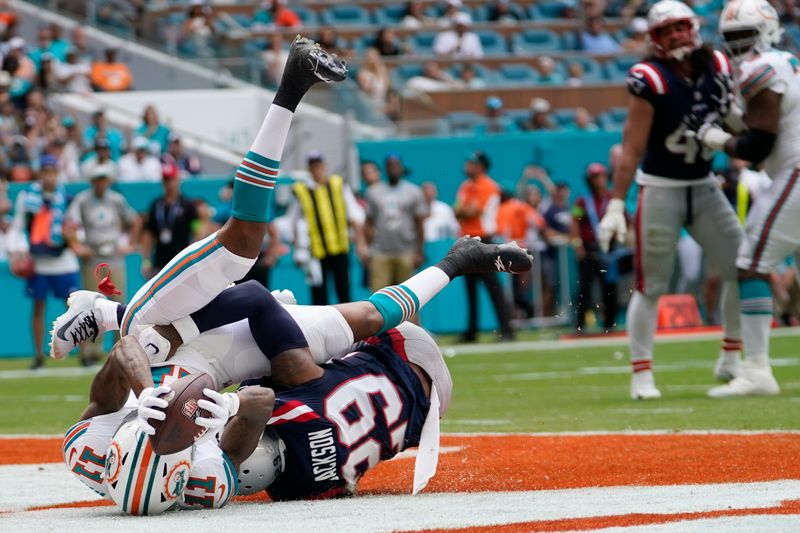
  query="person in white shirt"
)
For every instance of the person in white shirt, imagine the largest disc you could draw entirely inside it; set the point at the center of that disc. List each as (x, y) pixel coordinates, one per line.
(73, 74)
(459, 42)
(140, 164)
(441, 224)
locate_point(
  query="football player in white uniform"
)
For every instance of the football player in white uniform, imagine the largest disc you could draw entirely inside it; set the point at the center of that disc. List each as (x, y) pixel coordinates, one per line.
(769, 87)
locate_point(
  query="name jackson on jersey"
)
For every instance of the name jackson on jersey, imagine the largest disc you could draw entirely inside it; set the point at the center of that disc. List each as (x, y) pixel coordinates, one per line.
(323, 455)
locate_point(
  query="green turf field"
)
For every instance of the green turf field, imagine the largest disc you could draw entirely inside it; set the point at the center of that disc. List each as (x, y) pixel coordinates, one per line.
(576, 389)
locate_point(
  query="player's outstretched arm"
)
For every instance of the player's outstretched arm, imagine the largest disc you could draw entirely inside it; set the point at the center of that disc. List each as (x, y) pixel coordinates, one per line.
(244, 430)
(109, 389)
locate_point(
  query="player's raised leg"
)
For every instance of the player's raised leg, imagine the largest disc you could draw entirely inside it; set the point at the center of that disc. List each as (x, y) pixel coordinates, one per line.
(201, 271)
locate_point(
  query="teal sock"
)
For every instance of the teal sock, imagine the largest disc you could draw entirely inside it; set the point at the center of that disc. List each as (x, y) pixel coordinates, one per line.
(396, 304)
(253, 186)
(755, 297)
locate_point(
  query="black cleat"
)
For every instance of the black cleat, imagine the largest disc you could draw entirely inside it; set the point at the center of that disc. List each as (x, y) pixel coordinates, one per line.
(470, 256)
(308, 64)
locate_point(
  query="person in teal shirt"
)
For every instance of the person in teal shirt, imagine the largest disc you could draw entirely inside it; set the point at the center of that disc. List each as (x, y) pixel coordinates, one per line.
(101, 129)
(152, 128)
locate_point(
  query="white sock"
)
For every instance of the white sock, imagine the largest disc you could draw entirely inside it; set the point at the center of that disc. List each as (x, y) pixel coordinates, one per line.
(107, 314)
(271, 138)
(755, 333)
(427, 284)
(642, 317)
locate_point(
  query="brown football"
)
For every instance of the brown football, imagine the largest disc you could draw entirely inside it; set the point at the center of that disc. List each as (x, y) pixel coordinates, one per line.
(178, 430)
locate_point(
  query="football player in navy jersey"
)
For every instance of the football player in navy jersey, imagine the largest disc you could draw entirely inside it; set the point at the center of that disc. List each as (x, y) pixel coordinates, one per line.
(681, 81)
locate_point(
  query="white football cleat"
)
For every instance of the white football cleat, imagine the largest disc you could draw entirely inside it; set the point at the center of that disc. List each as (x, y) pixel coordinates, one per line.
(728, 366)
(754, 380)
(643, 386)
(78, 324)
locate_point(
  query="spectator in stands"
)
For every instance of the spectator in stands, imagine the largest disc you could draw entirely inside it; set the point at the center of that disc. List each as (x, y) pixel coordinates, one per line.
(19, 160)
(459, 42)
(39, 234)
(433, 78)
(274, 13)
(595, 39)
(20, 66)
(5, 86)
(592, 262)
(373, 78)
(187, 164)
(73, 74)
(139, 164)
(100, 157)
(593, 8)
(495, 121)
(449, 11)
(44, 40)
(47, 77)
(468, 76)
(636, 41)
(558, 224)
(153, 129)
(111, 75)
(441, 223)
(540, 119)
(169, 228)
(515, 220)
(274, 59)
(73, 141)
(5, 219)
(574, 74)
(101, 130)
(476, 206)
(387, 43)
(106, 225)
(59, 45)
(503, 11)
(198, 30)
(547, 71)
(68, 169)
(81, 44)
(328, 40)
(320, 217)
(370, 174)
(415, 17)
(395, 213)
(583, 121)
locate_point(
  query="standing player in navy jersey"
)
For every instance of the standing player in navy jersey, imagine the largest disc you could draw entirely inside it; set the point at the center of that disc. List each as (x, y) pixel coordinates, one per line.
(681, 81)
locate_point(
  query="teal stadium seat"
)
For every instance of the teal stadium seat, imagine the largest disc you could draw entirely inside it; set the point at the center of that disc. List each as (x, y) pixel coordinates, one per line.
(518, 116)
(550, 10)
(534, 41)
(481, 13)
(493, 43)
(307, 15)
(346, 15)
(569, 40)
(613, 119)
(617, 68)
(389, 15)
(486, 74)
(517, 74)
(402, 73)
(463, 122)
(592, 71)
(422, 42)
(563, 117)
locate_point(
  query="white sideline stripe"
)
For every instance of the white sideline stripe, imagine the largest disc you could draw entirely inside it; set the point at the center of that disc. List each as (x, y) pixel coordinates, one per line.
(389, 513)
(764, 523)
(49, 373)
(25, 486)
(597, 342)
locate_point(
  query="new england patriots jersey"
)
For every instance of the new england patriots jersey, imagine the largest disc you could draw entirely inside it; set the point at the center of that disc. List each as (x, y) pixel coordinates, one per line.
(678, 103)
(365, 408)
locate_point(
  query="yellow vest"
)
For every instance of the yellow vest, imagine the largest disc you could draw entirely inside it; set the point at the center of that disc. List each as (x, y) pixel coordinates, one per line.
(742, 202)
(326, 216)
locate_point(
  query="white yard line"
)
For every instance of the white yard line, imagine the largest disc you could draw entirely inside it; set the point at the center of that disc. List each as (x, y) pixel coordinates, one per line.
(390, 513)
